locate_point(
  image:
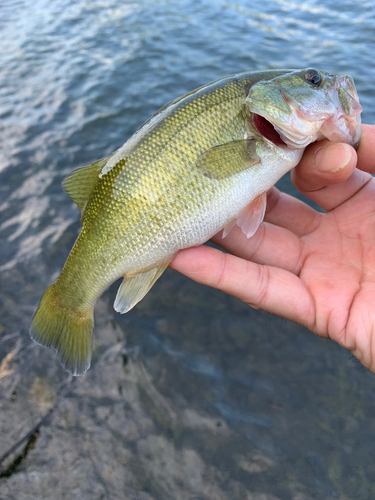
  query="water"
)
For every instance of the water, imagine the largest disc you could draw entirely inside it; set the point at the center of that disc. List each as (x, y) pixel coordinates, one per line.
(239, 404)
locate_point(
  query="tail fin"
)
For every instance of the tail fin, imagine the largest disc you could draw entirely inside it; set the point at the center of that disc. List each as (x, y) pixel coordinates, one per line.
(67, 331)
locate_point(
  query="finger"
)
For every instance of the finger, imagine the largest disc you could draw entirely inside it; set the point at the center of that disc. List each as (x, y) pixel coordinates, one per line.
(327, 174)
(324, 163)
(290, 213)
(277, 241)
(332, 197)
(270, 245)
(265, 287)
(366, 149)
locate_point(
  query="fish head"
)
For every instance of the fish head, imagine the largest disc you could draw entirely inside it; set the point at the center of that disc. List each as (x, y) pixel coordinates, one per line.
(300, 107)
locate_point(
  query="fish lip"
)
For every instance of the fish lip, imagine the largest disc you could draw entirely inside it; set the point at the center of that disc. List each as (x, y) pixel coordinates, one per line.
(347, 85)
(345, 124)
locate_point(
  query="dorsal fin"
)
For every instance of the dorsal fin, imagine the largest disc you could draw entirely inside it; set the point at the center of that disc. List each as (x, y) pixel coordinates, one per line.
(81, 182)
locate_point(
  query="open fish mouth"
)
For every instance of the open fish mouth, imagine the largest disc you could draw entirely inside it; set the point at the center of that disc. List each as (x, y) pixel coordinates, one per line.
(295, 116)
(267, 130)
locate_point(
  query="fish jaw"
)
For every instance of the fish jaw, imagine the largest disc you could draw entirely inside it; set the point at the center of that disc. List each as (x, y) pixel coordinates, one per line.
(345, 124)
(301, 113)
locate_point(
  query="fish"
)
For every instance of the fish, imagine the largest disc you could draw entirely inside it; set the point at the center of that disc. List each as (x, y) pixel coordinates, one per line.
(201, 164)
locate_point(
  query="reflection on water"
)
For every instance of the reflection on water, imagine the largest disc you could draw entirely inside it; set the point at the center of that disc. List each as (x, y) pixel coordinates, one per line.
(191, 394)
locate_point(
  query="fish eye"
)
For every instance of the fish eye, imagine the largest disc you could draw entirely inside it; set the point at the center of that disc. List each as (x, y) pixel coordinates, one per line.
(313, 77)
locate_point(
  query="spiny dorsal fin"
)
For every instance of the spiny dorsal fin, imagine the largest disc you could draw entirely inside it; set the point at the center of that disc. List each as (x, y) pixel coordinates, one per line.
(228, 159)
(81, 182)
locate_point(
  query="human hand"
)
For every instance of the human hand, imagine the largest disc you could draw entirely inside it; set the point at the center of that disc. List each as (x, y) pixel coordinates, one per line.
(317, 269)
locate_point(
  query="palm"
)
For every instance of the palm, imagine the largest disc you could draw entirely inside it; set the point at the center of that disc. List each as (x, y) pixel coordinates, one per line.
(338, 272)
(312, 268)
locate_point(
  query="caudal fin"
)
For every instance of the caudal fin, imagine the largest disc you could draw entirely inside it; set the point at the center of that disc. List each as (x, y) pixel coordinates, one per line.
(67, 331)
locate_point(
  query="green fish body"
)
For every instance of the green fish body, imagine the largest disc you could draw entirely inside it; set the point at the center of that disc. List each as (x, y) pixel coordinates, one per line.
(202, 163)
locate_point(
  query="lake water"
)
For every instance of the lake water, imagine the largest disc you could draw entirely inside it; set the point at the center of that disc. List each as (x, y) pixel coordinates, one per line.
(207, 398)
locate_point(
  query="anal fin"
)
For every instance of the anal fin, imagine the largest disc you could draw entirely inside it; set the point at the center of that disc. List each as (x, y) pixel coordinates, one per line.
(134, 288)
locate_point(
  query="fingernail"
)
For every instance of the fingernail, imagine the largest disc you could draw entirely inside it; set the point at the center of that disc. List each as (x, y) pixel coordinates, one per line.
(332, 154)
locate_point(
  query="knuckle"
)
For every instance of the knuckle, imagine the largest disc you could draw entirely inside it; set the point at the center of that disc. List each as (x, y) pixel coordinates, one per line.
(262, 282)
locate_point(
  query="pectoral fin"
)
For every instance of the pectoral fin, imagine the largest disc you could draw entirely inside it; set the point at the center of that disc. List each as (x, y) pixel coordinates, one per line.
(250, 218)
(134, 288)
(228, 159)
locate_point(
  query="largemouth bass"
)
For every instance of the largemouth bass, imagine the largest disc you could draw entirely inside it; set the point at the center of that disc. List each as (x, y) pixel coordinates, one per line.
(200, 164)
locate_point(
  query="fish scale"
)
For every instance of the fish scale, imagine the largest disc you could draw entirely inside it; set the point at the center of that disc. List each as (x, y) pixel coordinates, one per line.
(187, 173)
